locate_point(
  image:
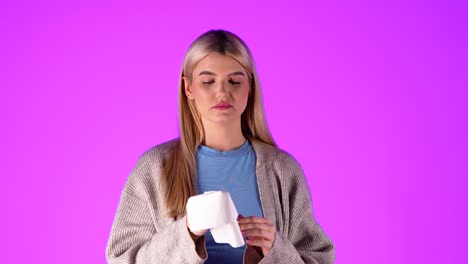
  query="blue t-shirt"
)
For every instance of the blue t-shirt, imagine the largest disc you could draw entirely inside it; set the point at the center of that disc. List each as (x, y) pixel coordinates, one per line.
(234, 172)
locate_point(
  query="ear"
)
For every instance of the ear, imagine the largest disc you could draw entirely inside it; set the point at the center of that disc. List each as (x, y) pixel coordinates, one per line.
(187, 87)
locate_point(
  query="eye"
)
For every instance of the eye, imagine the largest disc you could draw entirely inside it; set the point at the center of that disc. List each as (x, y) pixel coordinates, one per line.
(208, 82)
(233, 82)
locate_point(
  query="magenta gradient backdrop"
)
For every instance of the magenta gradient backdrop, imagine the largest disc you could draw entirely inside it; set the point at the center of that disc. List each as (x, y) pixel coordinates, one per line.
(370, 97)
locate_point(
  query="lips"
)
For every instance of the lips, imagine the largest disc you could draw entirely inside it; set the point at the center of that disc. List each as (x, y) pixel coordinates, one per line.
(222, 106)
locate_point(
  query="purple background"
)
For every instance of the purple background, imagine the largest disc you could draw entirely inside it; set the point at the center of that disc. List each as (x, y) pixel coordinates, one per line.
(370, 98)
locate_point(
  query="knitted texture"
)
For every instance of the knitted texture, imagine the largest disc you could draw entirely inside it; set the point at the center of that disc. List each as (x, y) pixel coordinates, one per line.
(142, 234)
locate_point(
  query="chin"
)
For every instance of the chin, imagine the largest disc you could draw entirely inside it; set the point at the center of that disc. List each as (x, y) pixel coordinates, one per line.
(224, 120)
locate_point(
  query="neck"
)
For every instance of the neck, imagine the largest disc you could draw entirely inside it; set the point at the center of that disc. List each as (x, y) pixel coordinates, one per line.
(223, 137)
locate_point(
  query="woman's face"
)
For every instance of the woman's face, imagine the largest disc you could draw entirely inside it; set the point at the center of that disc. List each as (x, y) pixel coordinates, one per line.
(220, 89)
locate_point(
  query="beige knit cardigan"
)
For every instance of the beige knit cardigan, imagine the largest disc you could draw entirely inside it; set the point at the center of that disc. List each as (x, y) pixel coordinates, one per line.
(142, 234)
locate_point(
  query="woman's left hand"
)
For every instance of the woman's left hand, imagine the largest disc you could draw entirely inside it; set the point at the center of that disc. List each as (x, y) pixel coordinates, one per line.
(259, 232)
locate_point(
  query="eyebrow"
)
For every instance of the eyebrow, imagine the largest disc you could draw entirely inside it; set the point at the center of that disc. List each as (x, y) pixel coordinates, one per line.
(212, 73)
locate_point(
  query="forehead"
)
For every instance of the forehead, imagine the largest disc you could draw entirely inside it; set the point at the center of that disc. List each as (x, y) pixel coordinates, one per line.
(219, 64)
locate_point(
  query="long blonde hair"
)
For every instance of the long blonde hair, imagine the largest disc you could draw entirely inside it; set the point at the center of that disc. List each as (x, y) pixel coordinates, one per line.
(179, 174)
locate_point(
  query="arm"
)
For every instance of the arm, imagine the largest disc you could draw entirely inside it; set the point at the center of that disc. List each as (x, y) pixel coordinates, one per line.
(136, 239)
(304, 241)
(301, 240)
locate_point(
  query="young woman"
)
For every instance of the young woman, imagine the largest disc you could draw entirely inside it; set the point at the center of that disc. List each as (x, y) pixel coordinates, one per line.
(224, 145)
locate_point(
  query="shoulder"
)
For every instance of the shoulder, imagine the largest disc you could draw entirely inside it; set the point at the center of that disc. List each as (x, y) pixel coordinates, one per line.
(282, 170)
(149, 167)
(274, 156)
(160, 152)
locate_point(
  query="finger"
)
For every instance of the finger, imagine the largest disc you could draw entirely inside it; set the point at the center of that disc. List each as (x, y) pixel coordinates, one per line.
(253, 219)
(262, 226)
(265, 244)
(258, 233)
(199, 233)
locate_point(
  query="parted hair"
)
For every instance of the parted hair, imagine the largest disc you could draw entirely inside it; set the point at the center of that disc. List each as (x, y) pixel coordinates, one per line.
(180, 169)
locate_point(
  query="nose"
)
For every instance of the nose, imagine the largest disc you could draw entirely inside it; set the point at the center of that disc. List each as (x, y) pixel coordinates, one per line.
(222, 89)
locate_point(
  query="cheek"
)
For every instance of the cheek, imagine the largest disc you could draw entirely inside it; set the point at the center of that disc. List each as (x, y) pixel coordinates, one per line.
(245, 95)
(202, 98)
(200, 94)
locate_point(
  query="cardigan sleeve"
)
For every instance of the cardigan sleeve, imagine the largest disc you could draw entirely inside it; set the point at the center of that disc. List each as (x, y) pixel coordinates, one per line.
(135, 238)
(304, 241)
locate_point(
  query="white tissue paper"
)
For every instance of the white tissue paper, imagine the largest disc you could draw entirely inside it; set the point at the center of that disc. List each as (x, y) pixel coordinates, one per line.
(215, 211)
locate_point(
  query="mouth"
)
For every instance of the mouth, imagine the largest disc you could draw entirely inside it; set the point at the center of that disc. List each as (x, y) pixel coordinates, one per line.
(222, 106)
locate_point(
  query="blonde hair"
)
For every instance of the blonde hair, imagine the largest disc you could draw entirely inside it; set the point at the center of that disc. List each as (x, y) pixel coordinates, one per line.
(179, 174)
